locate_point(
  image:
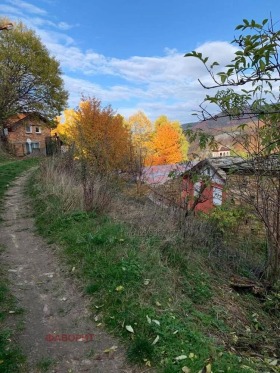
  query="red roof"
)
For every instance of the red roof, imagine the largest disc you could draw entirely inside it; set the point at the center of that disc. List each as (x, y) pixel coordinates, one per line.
(160, 174)
(15, 120)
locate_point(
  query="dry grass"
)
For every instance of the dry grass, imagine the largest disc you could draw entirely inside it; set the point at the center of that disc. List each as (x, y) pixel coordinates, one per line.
(62, 184)
(144, 215)
(62, 179)
(191, 236)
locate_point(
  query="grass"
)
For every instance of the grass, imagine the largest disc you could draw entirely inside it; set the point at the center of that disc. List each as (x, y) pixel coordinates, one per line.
(45, 364)
(11, 358)
(170, 309)
(10, 170)
(5, 157)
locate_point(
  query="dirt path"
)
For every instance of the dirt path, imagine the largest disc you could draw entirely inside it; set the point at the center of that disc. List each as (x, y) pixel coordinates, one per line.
(54, 307)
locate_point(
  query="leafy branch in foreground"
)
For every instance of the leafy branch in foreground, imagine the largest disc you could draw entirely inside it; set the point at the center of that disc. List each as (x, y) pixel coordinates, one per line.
(256, 67)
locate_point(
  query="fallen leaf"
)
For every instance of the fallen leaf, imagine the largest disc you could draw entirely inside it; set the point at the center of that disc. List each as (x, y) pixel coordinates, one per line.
(155, 340)
(158, 304)
(156, 322)
(147, 362)
(186, 370)
(99, 306)
(148, 319)
(129, 328)
(273, 362)
(181, 357)
(111, 349)
(146, 281)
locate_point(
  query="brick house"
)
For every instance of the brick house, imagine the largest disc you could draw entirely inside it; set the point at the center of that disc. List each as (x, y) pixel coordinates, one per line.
(26, 133)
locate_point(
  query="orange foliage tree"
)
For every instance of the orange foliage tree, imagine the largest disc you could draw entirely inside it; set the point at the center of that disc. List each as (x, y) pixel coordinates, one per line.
(100, 135)
(168, 144)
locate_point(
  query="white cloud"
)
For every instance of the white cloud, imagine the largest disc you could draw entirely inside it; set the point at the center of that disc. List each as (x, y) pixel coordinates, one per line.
(160, 85)
(9, 10)
(64, 26)
(165, 84)
(27, 7)
(113, 93)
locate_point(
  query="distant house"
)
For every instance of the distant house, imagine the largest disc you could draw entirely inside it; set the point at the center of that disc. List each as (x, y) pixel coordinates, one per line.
(221, 152)
(25, 133)
(204, 184)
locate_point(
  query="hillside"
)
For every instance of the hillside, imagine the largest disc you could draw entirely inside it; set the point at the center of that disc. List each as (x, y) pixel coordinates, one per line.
(219, 122)
(163, 288)
(224, 128)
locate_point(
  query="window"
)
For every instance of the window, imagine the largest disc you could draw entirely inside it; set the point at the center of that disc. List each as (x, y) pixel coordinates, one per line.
(38, 129)
(28, 128)
(208, 171)
(217, 196)
(197, 187)
(35, 145)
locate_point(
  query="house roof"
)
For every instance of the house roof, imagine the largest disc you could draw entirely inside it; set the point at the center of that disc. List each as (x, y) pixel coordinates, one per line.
(221, 149)
(13, 121)
(160, 174)
(225, 165)
(268, 165)
(220, 166)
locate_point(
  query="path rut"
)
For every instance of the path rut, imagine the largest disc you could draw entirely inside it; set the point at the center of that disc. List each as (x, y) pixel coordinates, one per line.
(54, 306)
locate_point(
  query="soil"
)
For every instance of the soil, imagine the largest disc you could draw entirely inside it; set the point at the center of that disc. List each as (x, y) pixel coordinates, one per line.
(58, 328)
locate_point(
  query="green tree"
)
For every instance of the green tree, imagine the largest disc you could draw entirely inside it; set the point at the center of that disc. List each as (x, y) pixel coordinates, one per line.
(249, 87)
(30, 79)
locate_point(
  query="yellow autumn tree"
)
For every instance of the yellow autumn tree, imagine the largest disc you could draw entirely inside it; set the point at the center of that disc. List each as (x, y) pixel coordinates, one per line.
(140, 128)
(168, 144)
(65, 124)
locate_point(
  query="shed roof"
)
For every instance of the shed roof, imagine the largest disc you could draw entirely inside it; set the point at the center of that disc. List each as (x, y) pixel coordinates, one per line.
(225, 165)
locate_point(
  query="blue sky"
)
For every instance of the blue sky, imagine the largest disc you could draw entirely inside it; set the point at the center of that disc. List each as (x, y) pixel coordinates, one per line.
(129, 53)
